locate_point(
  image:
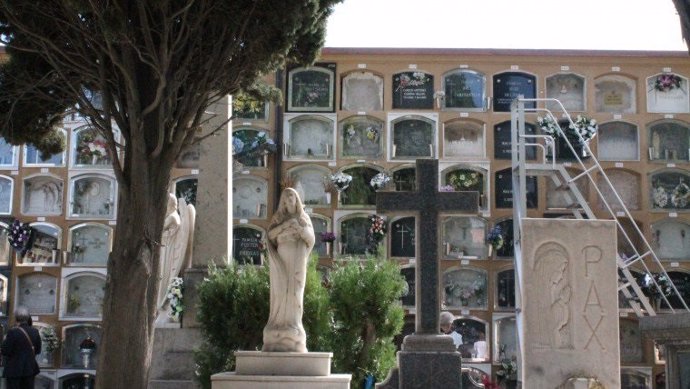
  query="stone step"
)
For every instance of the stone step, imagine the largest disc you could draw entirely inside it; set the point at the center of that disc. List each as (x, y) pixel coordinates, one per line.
(234, 381)
(172, 384)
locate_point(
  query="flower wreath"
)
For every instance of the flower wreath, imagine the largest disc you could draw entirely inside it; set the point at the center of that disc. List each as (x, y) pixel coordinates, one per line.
(667, 82)
(19, 236)
(680, 194)
(379, 181)
(660, 197)
(341, 181)
(495, 237)
(464, 179)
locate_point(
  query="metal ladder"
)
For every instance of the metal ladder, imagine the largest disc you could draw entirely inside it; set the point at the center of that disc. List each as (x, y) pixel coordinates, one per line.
(640, 255)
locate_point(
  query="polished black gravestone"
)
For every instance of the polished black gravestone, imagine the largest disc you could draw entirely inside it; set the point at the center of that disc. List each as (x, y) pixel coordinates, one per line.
(427, 359)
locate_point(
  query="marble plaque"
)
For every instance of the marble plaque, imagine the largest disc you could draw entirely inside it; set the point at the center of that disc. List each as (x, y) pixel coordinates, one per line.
(408, 297)
(354, 236)
(671, 239)
(37, 292)
(405, 179)
(508, 248)
(669, 190)
(6, 185)
(464, 237)
(413, 138)
(33, 157)
(463, 140)
(506, 342)
(631, 341)
(308, 182)
(569, 324)
(569, 89)
(667, 93)
(249, 198)
(46, 244)
(311, 89)
(560, 199)
(465, 89)
(509, 85)
(8, 153)
(681, 280)
(635, 378)
(362, 92)
(73, 336)
(618, 141)
(320, 225)
(84, 296)
(246, 246)
(505, 289)
(465, 288)
(669, 140)
(186, 189)
(360, 192)
(42, 196)
(413, 90)
(311, 137)
(615, 94)
(503, 142)
(93, 197)
(189, 157)
(503, 183)
(402, 232)
(90, 149)
(626, 184)
(472, 331)
(362, 137)
(90, 245)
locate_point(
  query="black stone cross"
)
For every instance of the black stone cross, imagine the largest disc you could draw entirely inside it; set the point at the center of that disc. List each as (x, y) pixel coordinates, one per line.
(428, 202)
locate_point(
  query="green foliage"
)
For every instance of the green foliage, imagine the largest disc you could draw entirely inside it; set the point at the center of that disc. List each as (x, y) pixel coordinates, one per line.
(366, 313)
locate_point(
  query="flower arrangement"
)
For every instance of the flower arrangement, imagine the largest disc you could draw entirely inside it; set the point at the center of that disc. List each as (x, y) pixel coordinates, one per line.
(417, 79)
(379, 181)
(680, 194)
(50, 339)
(548, 125)
(508, 369)
(464, 179)
(495, 237)
(19, 236)
(373, 133)
(90, 146)
(582, 125)
(87, 344)
(660, 197)
(446, 188)
(667, 82)
(377, 229)
(327, 237)
(341, 181)
(662, 288)
(174, 295)
(243, 145)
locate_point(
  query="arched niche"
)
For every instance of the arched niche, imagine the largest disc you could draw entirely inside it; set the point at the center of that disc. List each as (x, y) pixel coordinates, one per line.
(353, 234)
(44, 358)
(310, 182)
(464, 237)
(465, 288)
(671, 238)
(249, 197)
(569, 89)
(464, 90)
(9, 155)
(82, 296)
(475, 339)
(72, 336)
(321, 224)
(667, 93)
(505, 345)
(668, 140)
(630, 341)
(670, 189)
(47, 242)
(503, 142)
(507, 86)
(360, 192)
(310, 137)
(245, 139)
(403, 231)
(464, 139)
(362, 91)
(505, 289)
(189, 156)
(557, 198)
(33, 157)
(37, 292)
(89, 149)
(615, 93)
(247, 244)
(405, 179)
(503, 182)
(636, 377)
(93, 196)
(5, 248)
(618, 141)
(361, 137)
(628, 186)
(311, 88)
(78, 381)
(413, 90)
(465, 177)
(6, 191)
(508, 248)
(43, 195)
(412, 136)
(186, 188)
(89, 244)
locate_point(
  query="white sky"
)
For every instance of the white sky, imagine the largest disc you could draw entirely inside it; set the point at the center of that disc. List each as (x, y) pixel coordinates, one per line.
(513, 24)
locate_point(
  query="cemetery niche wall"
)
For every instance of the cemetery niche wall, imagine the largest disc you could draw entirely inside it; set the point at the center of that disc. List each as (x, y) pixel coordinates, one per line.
(465, 288)
(618, 141)
(92, 196)
(362, 91)
(628, 186)
(361, 137)
(413, 136)
(669, 140)
(569, 89)
(248, 245)
(43, 195)
(402, 237)
(37, 292)
(413, 90)
(464, 90)
(6, 195)
(311, 89)
(89, 244)
(615, 93)
(9, 154)
(45, 249)
(309, 137)
(82, 296)
(311, 183)
(669, 189)
(667, 93)
(671, 239)
(33, 157)
(89, 149)
(509, 85)
(463, 139)
(249, 198)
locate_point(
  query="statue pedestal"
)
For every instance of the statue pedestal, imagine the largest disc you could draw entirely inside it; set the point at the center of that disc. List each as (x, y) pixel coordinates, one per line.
(274, 370)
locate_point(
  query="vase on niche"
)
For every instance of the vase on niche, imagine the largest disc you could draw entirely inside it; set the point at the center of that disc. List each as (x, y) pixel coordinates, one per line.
(328, 198)
(328, 249)
(94, 159)
(86, 357)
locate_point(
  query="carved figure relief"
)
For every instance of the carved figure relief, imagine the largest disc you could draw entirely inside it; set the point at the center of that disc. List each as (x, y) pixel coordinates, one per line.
(552, 264)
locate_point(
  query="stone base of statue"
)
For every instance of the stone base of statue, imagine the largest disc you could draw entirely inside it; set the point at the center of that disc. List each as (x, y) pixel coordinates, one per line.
(425, 361)
(281, 370)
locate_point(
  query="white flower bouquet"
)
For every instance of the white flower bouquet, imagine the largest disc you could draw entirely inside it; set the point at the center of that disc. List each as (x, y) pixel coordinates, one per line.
(174, 295)
(341, 181)
(379, 181)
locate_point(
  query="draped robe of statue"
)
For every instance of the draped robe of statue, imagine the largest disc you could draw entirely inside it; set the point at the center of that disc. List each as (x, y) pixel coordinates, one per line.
(176, 249)
(290, 240)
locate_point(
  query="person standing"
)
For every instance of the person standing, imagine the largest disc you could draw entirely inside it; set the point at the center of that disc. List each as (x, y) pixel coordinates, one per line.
(19, 349)
(446, 324)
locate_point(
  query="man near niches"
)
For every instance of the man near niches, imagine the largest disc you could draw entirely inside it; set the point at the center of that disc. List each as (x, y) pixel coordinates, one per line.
(446, 324)
(19, 350)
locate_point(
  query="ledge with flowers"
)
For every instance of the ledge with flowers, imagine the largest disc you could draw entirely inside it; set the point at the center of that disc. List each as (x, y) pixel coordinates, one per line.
(251, 148)
(578, 133)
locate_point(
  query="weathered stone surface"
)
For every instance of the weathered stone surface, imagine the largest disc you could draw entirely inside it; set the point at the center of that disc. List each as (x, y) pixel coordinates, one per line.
(172, 365)
(568, 323)
(235, 381)
(283, 363)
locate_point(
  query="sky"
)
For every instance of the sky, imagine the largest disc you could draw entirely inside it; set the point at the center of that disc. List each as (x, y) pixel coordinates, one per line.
(507, 24)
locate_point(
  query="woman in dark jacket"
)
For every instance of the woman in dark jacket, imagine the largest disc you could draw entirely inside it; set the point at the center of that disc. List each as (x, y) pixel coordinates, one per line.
(20, 347)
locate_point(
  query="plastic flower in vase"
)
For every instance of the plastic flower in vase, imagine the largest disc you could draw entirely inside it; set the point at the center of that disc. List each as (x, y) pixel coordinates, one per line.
(49, 339)
(377, 229)
(548, 125)
(341, 181)
(495, 237)
(19, 236)
(174, 295)
(680, 194)
(463, 180)
(379, 181)
(587, 128)
(660, 197)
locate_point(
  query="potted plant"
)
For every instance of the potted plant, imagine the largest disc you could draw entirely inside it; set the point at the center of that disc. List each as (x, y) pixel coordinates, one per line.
(86, 349)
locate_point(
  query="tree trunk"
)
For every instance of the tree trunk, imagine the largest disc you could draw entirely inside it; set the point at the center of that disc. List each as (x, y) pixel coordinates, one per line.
(129, 315)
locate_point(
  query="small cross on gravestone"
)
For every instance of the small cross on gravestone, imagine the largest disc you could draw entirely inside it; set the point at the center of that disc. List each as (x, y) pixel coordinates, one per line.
(418, 368)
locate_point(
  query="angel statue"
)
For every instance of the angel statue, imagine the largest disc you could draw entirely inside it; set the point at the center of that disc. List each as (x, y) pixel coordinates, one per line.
(176, 249)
